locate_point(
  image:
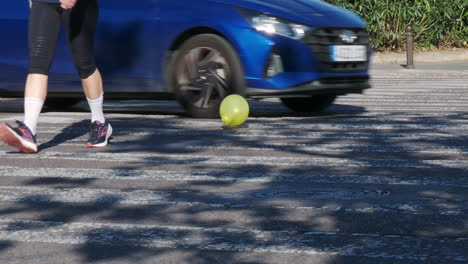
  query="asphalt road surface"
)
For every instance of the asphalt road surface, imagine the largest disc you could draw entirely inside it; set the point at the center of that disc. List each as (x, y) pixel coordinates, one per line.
(378, 178)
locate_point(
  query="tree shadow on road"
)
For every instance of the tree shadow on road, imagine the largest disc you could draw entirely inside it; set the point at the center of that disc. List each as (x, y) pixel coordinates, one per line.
(69, 133)
(324, 189)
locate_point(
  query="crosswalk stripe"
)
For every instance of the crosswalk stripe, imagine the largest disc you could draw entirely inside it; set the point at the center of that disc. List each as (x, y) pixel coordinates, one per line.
(233, 176)
(397, 101)
(279, 146)
(233, 239)
(375, 117)
(322, 148)
(277, 129)
(159, 158)
(355, 135)
(253, 199)
(375, 121)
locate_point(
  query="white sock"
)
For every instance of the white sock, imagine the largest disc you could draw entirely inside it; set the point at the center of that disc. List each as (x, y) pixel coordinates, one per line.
(32, 110)
(95, 105)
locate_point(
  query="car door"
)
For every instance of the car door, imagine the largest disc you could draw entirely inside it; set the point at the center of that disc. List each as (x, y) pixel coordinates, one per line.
(13, 45)
(14, 61)
(127, 49)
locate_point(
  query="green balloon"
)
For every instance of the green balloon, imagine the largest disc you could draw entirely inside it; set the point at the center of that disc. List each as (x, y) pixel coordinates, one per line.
(234, 110)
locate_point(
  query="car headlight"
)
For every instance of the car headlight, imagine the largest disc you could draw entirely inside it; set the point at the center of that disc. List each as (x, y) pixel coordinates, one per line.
(275, 25)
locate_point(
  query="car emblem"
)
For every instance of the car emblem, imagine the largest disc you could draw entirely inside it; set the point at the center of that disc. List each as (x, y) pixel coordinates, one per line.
(348, 36)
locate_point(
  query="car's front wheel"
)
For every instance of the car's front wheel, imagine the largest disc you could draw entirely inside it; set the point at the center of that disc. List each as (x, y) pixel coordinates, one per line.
(312, 104)
(205, 70)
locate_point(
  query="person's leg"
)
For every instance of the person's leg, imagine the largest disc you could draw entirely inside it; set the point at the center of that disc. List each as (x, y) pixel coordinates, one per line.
(43, 33)
(80, 24)
(94, 92)
(34, 97)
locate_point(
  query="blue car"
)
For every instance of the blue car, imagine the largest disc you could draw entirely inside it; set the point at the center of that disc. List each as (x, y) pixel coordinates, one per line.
(305, 52)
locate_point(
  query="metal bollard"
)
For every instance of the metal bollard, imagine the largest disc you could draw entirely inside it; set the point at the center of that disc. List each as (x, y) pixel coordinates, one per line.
(409, 48)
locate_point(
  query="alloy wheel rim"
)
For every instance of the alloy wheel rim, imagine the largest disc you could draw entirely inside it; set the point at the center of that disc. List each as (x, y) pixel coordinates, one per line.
(202, 76)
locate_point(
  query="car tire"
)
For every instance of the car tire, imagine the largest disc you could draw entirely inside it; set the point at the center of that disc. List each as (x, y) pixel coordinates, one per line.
(312, 104)
(204, 70)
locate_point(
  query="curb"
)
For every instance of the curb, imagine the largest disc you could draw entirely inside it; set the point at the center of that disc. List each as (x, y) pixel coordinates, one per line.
(418, 74)
(430, 56)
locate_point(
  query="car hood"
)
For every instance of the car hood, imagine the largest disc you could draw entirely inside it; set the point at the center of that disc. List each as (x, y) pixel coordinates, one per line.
(312, 12)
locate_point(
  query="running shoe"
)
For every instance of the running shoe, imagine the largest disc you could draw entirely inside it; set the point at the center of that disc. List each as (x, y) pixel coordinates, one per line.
(99, 135)
(20, 137)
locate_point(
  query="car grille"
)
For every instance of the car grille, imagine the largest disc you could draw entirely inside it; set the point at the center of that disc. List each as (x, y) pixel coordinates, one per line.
(320, 41)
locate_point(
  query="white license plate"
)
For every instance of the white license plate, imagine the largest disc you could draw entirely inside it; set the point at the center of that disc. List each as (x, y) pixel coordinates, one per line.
(341, 53)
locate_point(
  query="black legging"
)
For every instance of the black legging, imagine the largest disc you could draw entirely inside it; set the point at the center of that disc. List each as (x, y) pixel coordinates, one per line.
(44, 29)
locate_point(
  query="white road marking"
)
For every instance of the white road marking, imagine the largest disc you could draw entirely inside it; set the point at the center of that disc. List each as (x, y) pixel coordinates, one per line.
(274, 134)
(262, 123)
(147, 197)
(45, 119)
(299, 147)
(233, 239)
(256, 201)
(159, 158)
(234, 176)
(369, 148)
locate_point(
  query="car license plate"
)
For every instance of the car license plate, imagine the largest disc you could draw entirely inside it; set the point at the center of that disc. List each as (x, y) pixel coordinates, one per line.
(343, 53)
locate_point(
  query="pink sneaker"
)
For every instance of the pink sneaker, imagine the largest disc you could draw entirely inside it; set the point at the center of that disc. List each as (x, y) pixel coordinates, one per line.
(99, 135)
(20, 137)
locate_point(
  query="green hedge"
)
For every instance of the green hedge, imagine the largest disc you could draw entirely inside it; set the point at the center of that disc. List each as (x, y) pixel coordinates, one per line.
(436, 23)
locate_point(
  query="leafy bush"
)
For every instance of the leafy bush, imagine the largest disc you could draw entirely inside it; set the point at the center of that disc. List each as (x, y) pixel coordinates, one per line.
(436, 23)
